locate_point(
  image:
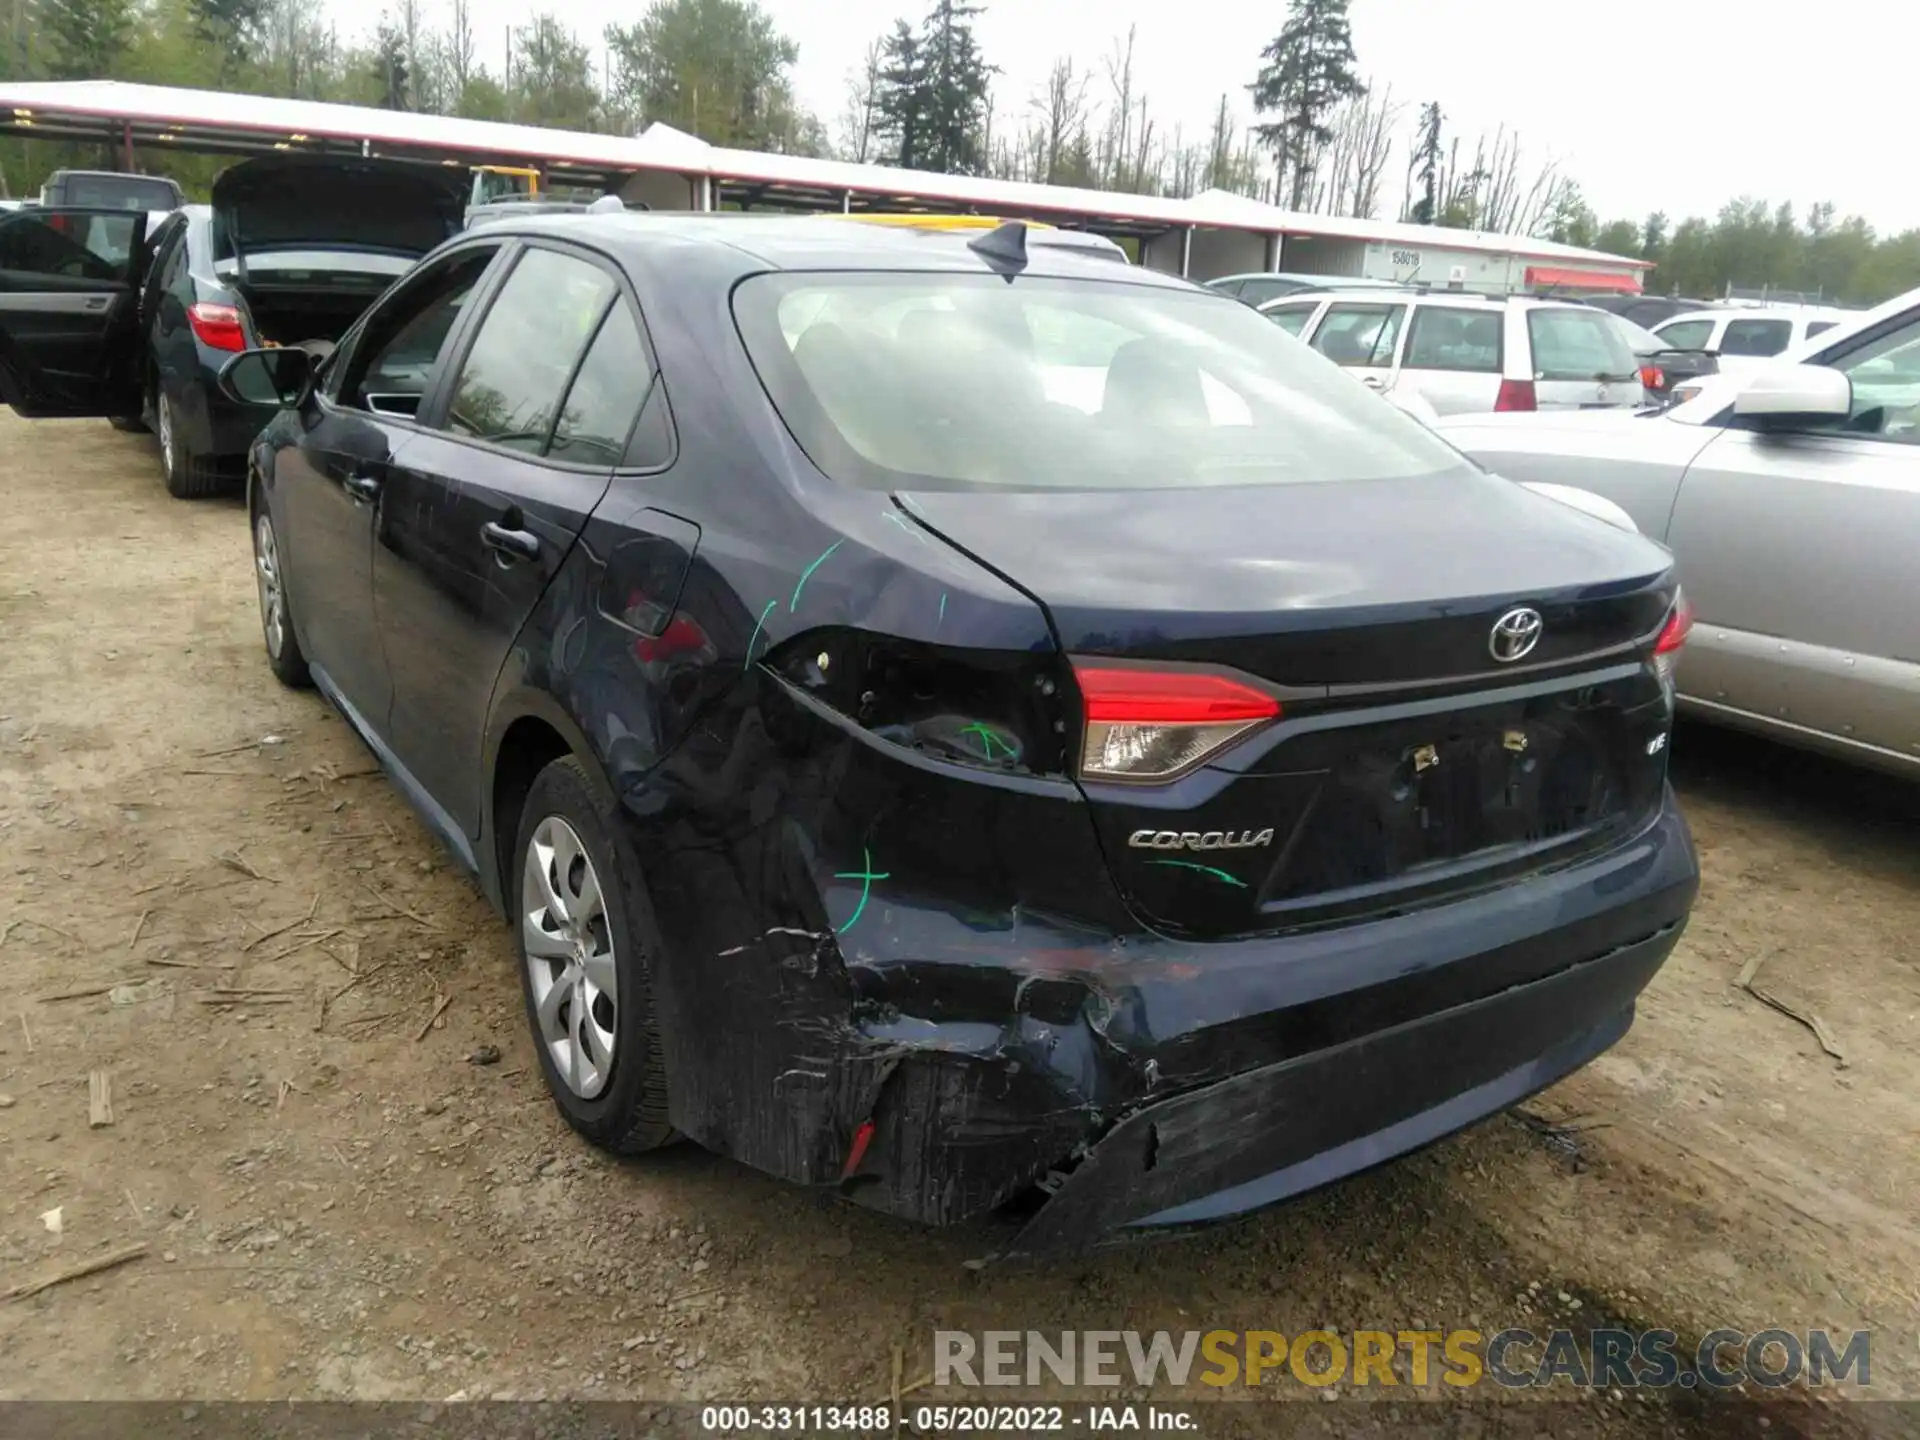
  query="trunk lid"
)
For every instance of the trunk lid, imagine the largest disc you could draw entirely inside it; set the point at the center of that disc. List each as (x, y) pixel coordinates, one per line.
(1407, 763)
(336, 203)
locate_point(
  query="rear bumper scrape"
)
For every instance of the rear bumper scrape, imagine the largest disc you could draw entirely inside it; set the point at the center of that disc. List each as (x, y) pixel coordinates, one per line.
(1287, 1128)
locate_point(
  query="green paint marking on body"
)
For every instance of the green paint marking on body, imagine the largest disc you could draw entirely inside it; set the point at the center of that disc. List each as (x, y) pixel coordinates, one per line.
(754, 639)
(1203, 869)
(866, 875)
(807, 574)
(988, 739)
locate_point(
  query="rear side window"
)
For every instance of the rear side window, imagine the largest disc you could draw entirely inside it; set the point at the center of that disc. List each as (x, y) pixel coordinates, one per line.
(1578, 344)
(1443, 338)
(1359, 335)
(523, 357)
(1228, 287)
(116, 192)
(1686, 334)
(1290, 318)
(965, 382)
(1756, 337)
(606, 396)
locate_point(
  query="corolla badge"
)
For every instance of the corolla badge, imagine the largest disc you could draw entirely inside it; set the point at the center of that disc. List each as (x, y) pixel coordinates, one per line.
(1515, 634)
(1199, 839)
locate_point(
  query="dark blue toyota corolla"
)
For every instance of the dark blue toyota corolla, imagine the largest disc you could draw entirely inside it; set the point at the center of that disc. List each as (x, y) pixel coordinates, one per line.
(971, 726)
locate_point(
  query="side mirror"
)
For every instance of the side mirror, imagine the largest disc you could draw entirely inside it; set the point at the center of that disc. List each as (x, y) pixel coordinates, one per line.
(1783, 393)
(281, 376)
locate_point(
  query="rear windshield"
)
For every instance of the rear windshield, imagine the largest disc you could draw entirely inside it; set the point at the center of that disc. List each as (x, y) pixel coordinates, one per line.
(1641, 342)
(1579, 344)
(969, 381)
(115, 192)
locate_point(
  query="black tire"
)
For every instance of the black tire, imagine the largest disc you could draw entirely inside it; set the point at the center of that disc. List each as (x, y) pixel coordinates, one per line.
(189, 474)
(284, 656)
(629, 1114)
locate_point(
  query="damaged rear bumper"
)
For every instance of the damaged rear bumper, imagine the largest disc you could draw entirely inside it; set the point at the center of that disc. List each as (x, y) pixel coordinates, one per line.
(1195, 1083)
(1262, 1137)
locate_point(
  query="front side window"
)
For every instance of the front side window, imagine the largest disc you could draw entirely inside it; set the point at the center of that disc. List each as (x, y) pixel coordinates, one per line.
(961, 382)
(1579, 344)
(523, 358)
(1756, 337)
(1359, 335)
(1445, 338)
(1886, 386)
(1686, 334)
(394, 358)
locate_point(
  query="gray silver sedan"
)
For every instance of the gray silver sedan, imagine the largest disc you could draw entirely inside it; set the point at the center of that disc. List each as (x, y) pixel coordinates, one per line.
(1791, 495)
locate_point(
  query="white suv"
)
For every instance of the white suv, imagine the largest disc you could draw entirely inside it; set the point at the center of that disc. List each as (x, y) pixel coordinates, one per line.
(1466, 354)
(1746, 339)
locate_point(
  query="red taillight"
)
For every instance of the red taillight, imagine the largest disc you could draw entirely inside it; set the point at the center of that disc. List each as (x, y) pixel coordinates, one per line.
(1673, 635)
(1679, 625)
(218, 327)
(1153, 725)
(1515, 395)
(1653, 377)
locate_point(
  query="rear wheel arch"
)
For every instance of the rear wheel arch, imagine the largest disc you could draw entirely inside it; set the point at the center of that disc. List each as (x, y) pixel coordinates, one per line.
(530, 732)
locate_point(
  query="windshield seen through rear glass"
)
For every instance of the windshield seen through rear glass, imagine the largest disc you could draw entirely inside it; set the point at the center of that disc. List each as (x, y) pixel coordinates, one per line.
(116, 192)
(965, 381)
(1579, 343)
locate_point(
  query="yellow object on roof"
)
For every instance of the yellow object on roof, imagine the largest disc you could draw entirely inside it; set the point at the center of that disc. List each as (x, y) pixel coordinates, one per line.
(938, 222)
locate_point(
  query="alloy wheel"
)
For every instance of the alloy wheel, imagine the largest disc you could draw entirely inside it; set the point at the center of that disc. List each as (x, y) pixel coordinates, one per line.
(266, 566)
(163, 430)
(568, 944)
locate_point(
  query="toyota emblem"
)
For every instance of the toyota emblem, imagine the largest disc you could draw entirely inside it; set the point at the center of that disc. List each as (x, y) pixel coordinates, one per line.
(1515, 634)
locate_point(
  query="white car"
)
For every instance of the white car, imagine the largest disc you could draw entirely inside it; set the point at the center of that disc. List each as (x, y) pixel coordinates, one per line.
(1472, 354)
(1745, 339)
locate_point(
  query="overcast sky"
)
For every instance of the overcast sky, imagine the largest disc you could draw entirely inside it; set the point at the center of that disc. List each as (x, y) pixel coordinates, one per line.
(1675, 105)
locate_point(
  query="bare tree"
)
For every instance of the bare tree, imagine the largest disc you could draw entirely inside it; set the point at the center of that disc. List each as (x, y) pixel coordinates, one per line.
(863, 106)
(459, 48)
(1119, 125)
(1350, 170)
(1497, 190)
(1144, 181)
(1062, 108)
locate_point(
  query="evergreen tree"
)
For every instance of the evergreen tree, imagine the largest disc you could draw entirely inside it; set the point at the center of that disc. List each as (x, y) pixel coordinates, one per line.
(1427, 161)
(1309, 72)
(953, 84)
(901, 102)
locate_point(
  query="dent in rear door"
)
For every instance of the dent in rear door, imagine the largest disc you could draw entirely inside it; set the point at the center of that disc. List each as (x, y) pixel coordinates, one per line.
(69, 310)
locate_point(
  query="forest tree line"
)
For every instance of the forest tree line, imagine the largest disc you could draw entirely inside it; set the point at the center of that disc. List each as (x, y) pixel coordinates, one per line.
(1326, 138)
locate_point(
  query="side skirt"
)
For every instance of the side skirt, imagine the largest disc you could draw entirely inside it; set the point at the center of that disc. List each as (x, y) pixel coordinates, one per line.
(437, 819)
